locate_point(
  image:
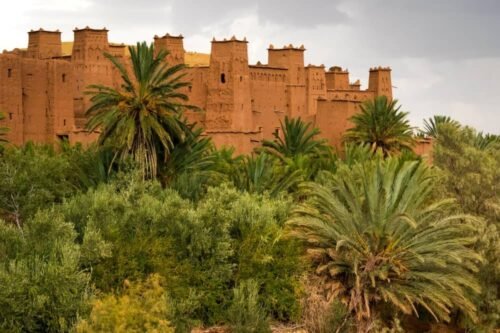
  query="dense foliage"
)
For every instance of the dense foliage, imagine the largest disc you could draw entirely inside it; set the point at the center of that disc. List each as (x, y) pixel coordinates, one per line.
(470, 173)
(154, 229)
(44, 288)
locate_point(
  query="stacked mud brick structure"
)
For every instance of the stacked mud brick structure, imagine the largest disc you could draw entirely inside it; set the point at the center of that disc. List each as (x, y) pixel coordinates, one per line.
(42, 88)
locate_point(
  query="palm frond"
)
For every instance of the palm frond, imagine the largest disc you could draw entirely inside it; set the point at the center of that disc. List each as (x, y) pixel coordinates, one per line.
(374, 231)
(142, 119)
(382, 125)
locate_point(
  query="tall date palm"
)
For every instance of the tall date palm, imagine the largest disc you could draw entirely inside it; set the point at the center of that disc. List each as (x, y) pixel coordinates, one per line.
(379, 242)
(382, 125)
(142, 119)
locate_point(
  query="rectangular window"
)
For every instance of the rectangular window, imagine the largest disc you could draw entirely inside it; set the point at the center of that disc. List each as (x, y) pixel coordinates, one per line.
(9, 72)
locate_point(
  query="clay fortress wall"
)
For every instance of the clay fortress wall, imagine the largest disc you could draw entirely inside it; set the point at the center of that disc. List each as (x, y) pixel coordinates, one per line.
(42, 88)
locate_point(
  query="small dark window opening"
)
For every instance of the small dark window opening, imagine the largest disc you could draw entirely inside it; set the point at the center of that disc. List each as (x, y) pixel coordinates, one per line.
(223, 78)
(64, 78)
(190, 88)
(9, 72)
(63, 137)
(64, 122)
(241, 78)
(11, 115)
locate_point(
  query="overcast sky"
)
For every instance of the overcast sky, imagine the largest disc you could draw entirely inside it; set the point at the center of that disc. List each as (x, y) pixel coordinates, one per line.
(445, 54)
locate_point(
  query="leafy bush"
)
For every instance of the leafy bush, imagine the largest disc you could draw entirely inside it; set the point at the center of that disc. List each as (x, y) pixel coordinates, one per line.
(246, 315)
(470, 173)
(203, 250)
(132, 217)
(142, 307)
(43, 288)
(31, 178)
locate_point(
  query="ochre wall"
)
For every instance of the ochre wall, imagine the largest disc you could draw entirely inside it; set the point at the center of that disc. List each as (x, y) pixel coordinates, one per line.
(269, 99)
(90, 67)
(11, 102)
(333, 119)
(42, 88)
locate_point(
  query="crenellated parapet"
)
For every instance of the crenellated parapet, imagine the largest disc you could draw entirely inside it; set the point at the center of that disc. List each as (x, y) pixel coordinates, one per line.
(174, 45)
(42, 87)
(44, 44)
(380, 81)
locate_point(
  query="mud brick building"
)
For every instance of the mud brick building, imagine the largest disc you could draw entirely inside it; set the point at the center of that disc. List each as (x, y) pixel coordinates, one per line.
(42, 88)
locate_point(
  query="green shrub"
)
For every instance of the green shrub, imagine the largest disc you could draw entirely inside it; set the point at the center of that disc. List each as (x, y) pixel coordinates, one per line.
(31, 178)
(142, 307)
(246, 315)
(202, 249)
(43, 288)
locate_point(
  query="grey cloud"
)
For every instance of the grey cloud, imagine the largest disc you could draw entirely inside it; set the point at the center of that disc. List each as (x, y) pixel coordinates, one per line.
(440, 29)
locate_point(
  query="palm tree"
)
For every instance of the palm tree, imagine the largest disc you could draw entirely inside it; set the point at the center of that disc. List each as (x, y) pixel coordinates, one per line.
(379, 243)
(432, 125)
(141, 120)
(262, 173)
(3, 130)
(298, 138)
(486, 141)
(382, 125)
(191, 164)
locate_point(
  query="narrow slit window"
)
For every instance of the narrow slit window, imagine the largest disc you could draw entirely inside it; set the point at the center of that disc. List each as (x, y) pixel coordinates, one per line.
(223, 78)
(9, 72)
(63, 78)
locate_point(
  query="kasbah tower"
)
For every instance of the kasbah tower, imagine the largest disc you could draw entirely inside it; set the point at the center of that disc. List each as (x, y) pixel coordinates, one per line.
(42, 88)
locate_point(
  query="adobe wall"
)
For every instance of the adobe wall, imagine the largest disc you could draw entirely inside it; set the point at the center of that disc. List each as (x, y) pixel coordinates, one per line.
(292, 58)
(244, 143)
(316, 87)
(380, 82)
(35, 100)
(42, 89)
(228, 96)
(11, 97)
(175, 47)
(269, 99)
(90, 67)
(333, 117)
(60, 80)
(44, 44)
(424, 148)
(198, 89)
